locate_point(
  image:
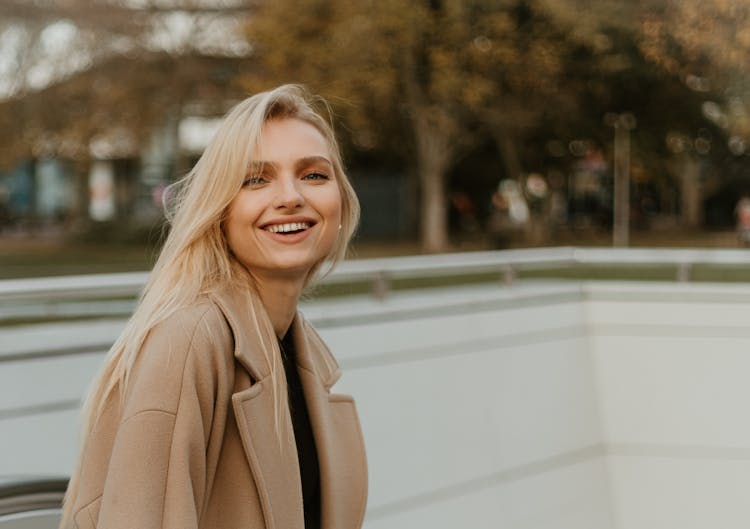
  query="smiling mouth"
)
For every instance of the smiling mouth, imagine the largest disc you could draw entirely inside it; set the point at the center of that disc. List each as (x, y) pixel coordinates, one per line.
(288, 228)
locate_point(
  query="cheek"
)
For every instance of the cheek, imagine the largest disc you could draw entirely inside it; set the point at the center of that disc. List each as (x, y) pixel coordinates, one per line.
(230, 222)
(244, 210)
(335, 213)
(236, 224)
(230, 234)
(335, 207)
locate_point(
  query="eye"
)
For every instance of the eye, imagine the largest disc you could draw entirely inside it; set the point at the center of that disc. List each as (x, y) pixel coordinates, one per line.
(315, 175)
(255, 180)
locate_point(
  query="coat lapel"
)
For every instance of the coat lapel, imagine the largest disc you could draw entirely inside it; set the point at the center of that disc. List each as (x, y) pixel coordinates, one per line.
(272, 459)
(269, 445)
(338, 437)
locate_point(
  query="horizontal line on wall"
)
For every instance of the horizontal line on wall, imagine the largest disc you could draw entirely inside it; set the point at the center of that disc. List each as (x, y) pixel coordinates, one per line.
(481, 483)
(479, 345)
(647, 330)
(39, 409)
(553, 463)
(379, 315)
(661, 451)
(442, 308)
(99, 348)
(666, 293)
(445, 309)
(66, 309)
(464, 347)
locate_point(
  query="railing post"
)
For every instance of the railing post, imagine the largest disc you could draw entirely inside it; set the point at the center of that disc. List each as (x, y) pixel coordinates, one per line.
(380, 286)
(509, 274)
(683, 272)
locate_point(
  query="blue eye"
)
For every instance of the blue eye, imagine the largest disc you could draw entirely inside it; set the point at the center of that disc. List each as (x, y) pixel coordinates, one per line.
(315, 176)
(254, 181)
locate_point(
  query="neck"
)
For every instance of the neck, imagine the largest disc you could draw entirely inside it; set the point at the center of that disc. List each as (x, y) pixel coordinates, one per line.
(280, 297)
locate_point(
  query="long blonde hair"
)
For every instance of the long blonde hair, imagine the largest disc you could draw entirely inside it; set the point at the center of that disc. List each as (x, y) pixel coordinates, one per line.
(195, 258)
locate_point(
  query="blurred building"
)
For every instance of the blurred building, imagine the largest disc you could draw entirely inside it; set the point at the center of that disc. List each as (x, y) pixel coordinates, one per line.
(124, 183)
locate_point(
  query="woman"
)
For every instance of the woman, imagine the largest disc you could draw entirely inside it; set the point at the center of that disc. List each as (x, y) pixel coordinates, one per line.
(214, 407)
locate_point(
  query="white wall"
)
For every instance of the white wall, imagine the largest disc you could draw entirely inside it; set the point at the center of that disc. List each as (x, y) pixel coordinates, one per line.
(543, 405)
(478, 407)
(672, 365)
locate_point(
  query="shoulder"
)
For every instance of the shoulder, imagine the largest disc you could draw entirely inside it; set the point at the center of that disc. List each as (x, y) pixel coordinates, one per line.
(199, 324)
(190, 350)
(197, 328)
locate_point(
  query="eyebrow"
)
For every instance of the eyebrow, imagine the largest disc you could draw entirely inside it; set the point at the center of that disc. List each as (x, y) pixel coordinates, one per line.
(307, 161)
(312, 160)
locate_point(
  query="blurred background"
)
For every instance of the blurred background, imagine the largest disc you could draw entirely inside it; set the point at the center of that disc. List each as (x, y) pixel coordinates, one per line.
(474, 124)
(592, 386)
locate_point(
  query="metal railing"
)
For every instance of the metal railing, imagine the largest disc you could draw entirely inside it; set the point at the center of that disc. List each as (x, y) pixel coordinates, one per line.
(103, 294)
(31, 502)
(507, 263)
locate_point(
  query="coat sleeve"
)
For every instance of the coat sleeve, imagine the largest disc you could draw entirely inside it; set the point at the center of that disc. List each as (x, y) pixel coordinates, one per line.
(157, 471)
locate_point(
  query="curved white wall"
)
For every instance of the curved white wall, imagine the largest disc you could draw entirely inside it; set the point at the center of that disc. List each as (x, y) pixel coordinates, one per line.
(542, 405)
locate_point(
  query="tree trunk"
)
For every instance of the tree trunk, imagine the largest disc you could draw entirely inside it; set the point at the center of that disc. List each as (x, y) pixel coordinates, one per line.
(436, 136)
(691, 196)
(434, 212)
(434, 154)
(621, 206)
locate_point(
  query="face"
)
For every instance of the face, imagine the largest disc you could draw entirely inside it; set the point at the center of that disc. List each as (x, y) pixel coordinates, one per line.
(286, 217)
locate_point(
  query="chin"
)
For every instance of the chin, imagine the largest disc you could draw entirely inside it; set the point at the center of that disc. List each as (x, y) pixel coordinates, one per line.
(293, 267)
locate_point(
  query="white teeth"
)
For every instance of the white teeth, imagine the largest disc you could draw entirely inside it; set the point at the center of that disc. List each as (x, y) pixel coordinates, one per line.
(286, 228)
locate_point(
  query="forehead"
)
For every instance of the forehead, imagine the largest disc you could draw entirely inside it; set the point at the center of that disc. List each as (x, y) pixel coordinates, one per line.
(290, 139)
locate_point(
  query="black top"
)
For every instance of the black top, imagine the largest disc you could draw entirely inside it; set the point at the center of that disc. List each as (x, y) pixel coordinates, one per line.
(303, 435)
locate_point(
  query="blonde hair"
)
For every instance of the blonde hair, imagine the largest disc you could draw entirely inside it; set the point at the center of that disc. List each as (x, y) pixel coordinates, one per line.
(195, 258)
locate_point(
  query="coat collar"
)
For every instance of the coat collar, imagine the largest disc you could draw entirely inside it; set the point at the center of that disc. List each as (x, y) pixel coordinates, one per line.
(254, 334)
(338, 438)
(334, 422)
(251, 328)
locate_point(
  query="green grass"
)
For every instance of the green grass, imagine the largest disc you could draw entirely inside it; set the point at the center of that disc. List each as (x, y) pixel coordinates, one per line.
(56, 260)
(698, 273)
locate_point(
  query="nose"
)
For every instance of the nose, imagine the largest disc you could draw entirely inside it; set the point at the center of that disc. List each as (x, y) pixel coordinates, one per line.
(288, 195)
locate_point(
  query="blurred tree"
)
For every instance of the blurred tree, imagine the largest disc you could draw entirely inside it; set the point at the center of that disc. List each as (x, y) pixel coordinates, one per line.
(440, 67)
(71, 70)
(652, 59)
(707, 43)
(423, 81)
(77, 74)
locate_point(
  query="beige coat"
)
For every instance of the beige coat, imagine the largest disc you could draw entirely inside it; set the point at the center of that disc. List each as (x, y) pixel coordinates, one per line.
(194, 444)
